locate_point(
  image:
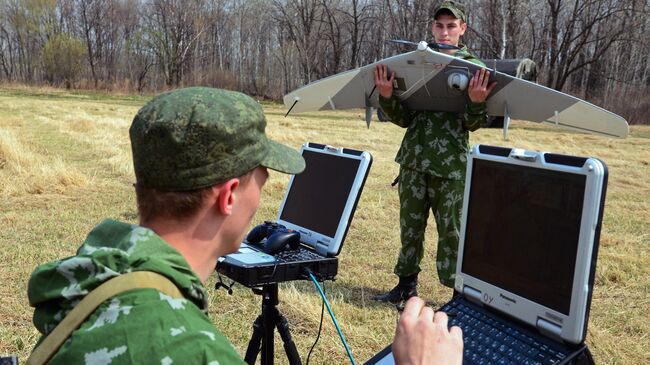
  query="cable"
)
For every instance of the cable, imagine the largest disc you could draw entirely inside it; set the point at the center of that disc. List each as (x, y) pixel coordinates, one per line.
(222, 284)
(336, 324)
(320, 327)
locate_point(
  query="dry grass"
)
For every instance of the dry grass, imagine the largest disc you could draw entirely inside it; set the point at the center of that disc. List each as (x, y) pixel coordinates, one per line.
(65, 165)
(27, 171)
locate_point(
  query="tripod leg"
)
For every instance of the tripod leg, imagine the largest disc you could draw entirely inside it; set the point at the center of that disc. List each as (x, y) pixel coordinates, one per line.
(255, 342)
(289, 345)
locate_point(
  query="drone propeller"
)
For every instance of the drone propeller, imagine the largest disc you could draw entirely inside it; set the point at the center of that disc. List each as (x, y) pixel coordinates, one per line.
(432, 45)
(399, 41)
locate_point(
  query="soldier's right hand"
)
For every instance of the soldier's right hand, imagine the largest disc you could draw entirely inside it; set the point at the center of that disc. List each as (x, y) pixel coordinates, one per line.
(422, 337)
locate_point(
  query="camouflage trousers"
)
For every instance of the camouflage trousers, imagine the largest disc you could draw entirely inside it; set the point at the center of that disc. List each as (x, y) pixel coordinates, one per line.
(419, 192)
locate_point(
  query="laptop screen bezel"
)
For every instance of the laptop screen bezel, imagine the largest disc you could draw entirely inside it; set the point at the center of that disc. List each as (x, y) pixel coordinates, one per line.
(325, 244)
(571, 327)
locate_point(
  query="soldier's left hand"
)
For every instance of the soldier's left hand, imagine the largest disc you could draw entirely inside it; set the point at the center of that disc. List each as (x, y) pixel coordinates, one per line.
(479, 89)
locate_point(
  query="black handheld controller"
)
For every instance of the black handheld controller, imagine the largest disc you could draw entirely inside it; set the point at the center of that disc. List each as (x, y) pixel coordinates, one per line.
(278, 237)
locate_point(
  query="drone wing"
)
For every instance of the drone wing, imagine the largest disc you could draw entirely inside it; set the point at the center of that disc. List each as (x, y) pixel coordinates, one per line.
(356, 88)
(424, 82)
(346, 90)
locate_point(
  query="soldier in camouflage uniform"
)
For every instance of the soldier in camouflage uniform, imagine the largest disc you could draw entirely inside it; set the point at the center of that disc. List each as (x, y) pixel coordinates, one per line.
(200, 155)
(433, 158)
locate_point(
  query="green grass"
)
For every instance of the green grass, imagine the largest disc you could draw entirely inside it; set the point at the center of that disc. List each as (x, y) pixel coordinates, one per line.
(65, 165)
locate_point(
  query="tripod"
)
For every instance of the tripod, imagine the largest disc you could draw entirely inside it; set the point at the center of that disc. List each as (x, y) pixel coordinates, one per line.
(264, 327)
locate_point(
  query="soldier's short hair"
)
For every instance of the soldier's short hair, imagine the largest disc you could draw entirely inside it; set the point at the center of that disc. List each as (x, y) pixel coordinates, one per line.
(179, 205)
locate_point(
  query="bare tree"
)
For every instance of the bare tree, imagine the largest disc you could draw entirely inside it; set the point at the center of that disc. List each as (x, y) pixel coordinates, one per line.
(595, 49)
(410, 19)
(579, 21)
(6, 53)
(359, 20)
(31, 22)
(172, 27)
(333, 36)
(301, 19)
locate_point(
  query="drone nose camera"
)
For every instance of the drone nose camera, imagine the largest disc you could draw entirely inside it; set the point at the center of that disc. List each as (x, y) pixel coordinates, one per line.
(457, 81)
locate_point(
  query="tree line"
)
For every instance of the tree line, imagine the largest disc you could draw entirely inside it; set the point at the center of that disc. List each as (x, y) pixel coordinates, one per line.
(594, 49)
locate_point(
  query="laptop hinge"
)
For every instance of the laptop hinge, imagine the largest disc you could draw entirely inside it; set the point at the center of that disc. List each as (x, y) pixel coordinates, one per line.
(321, 248)
(549, 329)
(472, 295)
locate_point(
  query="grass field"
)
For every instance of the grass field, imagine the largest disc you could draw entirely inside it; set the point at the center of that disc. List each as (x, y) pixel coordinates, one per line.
(65, 164)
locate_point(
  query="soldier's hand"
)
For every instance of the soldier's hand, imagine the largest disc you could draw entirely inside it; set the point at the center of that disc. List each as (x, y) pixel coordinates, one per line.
(422, 337)
(383, 82)
(479, 89)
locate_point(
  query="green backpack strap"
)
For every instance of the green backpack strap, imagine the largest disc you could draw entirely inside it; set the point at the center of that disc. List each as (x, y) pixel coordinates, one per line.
(119, 284)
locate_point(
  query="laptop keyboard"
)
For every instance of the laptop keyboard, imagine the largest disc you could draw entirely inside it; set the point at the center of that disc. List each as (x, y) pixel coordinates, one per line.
(298, 255)
(489, 341)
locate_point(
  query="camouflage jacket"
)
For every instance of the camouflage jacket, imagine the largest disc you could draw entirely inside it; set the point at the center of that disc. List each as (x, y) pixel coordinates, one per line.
(141, 326)
(436, 143)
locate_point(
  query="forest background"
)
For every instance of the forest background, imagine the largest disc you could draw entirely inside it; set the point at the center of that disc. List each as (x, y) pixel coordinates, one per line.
(594, 49)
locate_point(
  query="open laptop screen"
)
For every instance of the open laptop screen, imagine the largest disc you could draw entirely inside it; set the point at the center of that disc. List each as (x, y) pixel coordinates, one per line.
(522, 230)
(319, 194)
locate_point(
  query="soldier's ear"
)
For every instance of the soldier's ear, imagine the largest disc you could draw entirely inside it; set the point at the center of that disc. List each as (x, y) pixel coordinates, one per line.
(225, 196)
(463, 27)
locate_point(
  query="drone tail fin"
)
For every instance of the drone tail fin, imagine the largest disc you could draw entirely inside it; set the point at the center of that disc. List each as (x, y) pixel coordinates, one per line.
(506, 122)
(369, 108)
(369, 111)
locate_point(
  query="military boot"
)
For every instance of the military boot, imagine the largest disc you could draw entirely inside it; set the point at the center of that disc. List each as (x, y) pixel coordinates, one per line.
(406, 288)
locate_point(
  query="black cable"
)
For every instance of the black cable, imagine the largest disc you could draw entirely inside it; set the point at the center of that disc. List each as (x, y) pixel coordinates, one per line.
(222, 284)
(320, 326)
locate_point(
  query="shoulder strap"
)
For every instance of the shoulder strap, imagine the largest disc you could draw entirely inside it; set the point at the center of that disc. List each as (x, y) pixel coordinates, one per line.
(119, 284)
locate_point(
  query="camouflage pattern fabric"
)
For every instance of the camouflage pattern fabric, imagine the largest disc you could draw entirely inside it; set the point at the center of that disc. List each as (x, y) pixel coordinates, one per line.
(141, 326)
(195, 137)
(454, 7)
(434, 146)
(419, 192)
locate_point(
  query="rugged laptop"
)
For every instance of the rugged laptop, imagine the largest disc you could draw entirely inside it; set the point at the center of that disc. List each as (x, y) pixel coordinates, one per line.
(529, 241)
(319, 204)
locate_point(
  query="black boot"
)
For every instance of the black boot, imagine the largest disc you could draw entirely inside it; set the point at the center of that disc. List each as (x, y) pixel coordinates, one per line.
(406, 288)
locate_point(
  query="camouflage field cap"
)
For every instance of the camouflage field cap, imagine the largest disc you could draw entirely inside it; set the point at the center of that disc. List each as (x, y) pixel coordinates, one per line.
(455, 8)
(196, 137)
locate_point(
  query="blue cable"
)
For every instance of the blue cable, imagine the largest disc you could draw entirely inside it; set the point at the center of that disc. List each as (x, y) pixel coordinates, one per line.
(336, 324)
